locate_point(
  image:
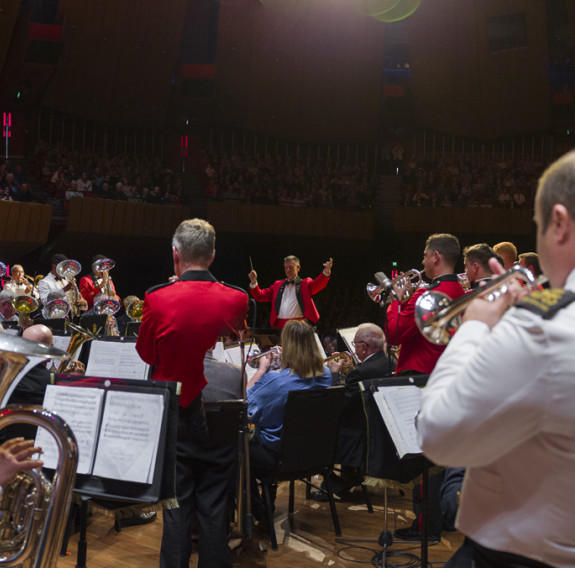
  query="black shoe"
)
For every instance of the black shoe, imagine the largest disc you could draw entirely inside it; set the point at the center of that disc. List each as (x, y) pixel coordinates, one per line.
(140, 519)
(412, 534)
(322, 496)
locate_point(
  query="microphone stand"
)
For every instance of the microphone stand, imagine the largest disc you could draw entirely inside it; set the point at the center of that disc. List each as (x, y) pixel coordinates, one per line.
(245, 516)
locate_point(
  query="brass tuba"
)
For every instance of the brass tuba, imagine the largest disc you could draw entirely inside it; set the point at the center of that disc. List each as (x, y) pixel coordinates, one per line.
(33, 511)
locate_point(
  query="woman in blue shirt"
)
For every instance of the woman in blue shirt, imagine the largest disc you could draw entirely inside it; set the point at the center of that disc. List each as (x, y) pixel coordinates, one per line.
(302, 368)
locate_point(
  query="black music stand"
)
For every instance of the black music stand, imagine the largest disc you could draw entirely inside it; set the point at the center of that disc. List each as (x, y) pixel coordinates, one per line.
(384, 462)
(129, 493)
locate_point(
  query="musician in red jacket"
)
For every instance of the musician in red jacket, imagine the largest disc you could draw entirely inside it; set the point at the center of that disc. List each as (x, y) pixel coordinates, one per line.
(181, 321)
(416, 353)
(291, 298)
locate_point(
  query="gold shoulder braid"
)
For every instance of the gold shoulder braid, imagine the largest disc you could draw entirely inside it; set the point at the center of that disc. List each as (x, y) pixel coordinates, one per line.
(547, 303)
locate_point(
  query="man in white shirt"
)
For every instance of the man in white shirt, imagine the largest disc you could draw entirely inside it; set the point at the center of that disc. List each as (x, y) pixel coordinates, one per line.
(500, 403)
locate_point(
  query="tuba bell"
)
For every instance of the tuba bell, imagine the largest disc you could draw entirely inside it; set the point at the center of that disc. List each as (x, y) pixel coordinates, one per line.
(31, 525)
(25, 305)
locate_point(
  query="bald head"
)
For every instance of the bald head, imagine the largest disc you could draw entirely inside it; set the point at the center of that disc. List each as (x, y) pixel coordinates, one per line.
(39, 333)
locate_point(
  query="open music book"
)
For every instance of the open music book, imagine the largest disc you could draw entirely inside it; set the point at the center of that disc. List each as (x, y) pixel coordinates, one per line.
(398, 406)
(118, 359)
(117, 431)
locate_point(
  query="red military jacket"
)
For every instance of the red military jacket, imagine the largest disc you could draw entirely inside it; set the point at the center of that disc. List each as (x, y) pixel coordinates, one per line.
(183, 319)
(417, 353)
(308, 287)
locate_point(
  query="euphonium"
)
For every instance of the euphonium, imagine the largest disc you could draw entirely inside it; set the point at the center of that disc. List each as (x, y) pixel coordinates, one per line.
(438, 316)
(80, 336)
(69, 269)
(33, 511)
(25, 305)
(56, 309)
(135, 310)
(410, 280)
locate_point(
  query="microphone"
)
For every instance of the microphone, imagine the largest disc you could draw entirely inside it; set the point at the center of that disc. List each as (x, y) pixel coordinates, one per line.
(383, 281)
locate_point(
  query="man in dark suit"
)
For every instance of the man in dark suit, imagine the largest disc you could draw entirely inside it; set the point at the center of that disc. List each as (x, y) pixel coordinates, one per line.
(371, 350)
(181, 321)
(291, 298)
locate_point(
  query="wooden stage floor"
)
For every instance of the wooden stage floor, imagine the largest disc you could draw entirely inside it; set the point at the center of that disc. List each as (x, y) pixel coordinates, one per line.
(312, 544)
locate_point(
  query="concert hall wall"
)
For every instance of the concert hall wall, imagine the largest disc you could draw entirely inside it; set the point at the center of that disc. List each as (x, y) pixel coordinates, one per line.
(462, 85)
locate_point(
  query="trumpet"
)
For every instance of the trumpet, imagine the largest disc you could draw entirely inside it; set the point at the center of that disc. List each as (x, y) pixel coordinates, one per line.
(438, 317)
(275, 353)
(410, 281)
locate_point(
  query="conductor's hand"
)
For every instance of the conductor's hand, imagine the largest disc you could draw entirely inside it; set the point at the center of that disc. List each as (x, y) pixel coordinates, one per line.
(253, 276)
(327, 266)
(14, 457)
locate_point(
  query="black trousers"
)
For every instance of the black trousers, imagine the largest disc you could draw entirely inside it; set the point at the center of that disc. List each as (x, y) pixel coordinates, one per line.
(204, 474)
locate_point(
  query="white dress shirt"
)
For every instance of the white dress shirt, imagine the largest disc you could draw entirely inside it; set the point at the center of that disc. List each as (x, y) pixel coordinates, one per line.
(289, 307)
(48, 285)
(501, 403)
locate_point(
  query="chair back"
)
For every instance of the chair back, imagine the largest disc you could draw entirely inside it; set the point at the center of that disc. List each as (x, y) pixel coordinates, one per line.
(224, 420)
(309, 433)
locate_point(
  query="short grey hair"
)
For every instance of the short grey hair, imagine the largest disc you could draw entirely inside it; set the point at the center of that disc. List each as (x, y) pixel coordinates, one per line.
(6, 296)
(194, 239)
(372, 335)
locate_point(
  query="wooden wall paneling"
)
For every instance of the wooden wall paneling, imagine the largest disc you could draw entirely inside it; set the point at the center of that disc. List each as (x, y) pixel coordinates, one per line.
(108, 215)
(98, 212)
(44, 223)
(74, 213)
(118, 216)
(139, 219)
(13, 220)
(4, 214)
(147, 227)
(21, 233)
(128, 221)
(87, 213)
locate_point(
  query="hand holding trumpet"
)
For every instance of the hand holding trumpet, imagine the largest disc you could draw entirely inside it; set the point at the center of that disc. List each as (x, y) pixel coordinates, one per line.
(490, 312)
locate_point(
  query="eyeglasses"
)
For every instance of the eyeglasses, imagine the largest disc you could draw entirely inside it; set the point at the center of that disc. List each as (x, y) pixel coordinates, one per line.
(355, 343)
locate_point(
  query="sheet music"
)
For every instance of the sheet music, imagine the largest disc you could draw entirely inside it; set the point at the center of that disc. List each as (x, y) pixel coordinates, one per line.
(129, 436)
(218, 351)
(320, 345)
(62, 341)
(118, 360)
(81, 409)
(398, 406)
(347, 334)
(234, 355)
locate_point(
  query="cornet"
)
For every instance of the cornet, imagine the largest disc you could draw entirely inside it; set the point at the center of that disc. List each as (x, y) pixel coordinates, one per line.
(275, 352)
(438, 316)
(410, 281)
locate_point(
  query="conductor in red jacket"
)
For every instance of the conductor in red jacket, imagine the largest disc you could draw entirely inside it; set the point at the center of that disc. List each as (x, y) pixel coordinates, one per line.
(291, 298)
